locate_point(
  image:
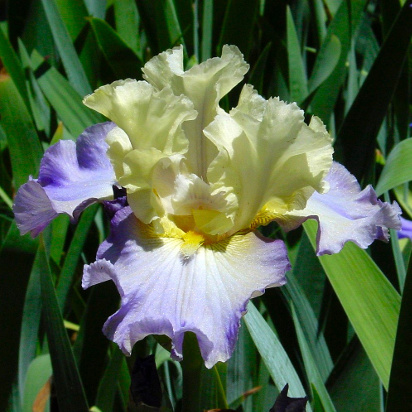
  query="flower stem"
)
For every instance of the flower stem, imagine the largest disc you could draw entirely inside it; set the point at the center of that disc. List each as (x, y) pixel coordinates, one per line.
(192, 365)
(203, 388)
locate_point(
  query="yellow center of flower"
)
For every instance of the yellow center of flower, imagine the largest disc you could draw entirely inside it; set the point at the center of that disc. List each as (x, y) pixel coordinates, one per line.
(182, 229)
(191, 243)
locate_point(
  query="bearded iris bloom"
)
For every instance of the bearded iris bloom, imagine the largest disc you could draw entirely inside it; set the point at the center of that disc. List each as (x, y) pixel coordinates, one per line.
(183, 250)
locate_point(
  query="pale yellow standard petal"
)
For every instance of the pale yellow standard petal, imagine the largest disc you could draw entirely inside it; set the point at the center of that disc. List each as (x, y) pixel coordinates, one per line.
(153, 202)
(204, 84)
(119, 146)
(149, 129)
(149, 117)
(270, 158)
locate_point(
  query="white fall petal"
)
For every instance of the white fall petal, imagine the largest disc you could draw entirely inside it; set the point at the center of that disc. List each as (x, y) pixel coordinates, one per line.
(164, 292)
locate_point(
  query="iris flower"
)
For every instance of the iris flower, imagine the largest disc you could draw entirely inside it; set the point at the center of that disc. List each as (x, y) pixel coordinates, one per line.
(184, 250)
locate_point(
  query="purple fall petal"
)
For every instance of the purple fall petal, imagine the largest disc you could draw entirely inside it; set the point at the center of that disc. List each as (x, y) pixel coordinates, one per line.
(345, 213)
(164, 293)
(111, 207)
(32, 208)
(406, 229)
(72, 176)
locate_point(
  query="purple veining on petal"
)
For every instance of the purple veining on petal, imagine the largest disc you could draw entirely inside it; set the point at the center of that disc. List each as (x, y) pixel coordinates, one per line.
(72, 176)
(345, 213)
(162, 293)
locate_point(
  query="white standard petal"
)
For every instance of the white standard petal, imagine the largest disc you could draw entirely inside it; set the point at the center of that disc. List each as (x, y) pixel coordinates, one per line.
(345, 213)
(163, 292)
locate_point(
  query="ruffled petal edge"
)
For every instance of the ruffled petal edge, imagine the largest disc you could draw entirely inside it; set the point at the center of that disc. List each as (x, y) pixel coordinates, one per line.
(165, 293)
(345, 213)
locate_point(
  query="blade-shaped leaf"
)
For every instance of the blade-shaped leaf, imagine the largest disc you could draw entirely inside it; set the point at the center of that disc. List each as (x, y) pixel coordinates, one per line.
(240, 17)
(398, 167)
(96, 8)
(241, 369)
(13, 66)
(173, 23)
(127, 23)
(161, 23)
(326, 62)
(71, 61)
(310, 328)
(58, 237)
(123, 60)
(276, 360)
(361, 126)
(207, 30)
(345, 22)
(319, 16)
(311, 367)
(69, 389)
(400, 383)
(108, 384)
(91, 345)
(202, 388)
(257, 72)
(370, 301)
(30, 323)
(25, 153)
(39, 372)
(38, 104)
(73, 254)
(354, 385)
(15, 261)
(63, 98)
(72, 14)
(297, 76)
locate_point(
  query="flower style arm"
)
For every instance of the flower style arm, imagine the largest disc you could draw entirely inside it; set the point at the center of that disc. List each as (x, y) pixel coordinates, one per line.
(72, 176)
